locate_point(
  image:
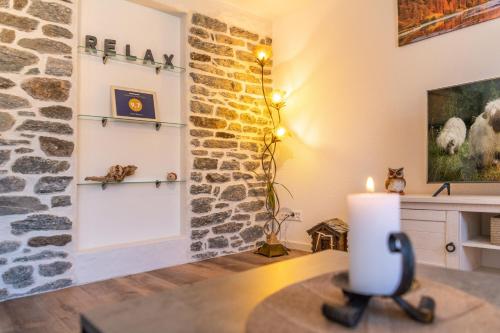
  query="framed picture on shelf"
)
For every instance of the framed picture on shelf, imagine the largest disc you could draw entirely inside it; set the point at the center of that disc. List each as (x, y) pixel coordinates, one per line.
(127, 103)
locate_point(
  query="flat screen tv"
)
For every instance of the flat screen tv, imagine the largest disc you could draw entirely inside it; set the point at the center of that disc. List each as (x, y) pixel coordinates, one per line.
(464, 133)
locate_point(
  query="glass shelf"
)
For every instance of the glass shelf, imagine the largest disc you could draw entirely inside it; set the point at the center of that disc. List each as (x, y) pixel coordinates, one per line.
(104, 121)
(157, 66)
(157, 183)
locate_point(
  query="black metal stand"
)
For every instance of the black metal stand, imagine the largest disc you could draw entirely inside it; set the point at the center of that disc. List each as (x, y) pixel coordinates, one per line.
(446, 186)
(351, 313)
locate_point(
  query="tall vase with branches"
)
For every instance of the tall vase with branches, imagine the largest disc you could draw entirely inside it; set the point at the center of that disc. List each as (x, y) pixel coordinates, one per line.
(273, 105)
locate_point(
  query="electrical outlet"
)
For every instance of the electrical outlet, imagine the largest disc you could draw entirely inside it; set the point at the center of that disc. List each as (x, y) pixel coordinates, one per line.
(290, 215)
(295, 215)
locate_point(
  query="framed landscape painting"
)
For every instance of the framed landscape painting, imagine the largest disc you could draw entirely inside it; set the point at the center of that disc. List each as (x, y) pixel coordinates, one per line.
(421, 19)
(464, 133)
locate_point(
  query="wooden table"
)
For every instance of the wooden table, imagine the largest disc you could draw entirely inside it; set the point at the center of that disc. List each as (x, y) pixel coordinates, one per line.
(223, 304)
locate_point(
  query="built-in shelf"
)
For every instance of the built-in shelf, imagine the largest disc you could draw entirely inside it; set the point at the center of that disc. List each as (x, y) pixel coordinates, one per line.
(104, 121)
(481, 242)
(157, 66)
(490, 270)
(157, 183)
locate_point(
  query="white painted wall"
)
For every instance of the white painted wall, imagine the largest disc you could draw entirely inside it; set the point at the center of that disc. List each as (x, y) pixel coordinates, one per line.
(358, 102)
(128, 213)
(138, 231)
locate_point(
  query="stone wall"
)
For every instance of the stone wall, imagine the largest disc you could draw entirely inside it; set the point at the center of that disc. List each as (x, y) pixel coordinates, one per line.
(226, 125)
(37, 47)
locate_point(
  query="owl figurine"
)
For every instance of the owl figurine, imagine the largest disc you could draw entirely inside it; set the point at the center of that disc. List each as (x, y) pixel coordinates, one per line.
(395, 182)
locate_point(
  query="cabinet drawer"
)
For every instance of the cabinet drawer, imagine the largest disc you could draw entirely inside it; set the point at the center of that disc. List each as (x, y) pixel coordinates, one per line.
(423, 215)
(426, 226)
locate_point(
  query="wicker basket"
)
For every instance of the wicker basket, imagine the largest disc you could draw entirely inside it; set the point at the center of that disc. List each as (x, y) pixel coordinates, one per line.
(495, 230)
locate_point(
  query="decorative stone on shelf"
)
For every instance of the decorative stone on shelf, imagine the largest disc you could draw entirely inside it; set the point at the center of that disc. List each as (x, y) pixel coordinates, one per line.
(171, 176)
(330, 234)
(116, 173)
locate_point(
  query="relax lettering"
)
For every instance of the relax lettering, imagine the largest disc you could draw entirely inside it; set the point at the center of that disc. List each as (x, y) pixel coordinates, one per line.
(110, 50)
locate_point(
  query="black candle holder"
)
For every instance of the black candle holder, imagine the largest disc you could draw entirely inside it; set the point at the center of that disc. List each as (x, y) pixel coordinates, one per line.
(351, 313)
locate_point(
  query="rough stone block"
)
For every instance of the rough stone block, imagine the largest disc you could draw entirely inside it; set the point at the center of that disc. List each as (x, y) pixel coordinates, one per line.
(221, 144)
(203, 163)
(60, 201)
(14, 205)
(218, 177)
(46, 89)
(226, 113)
(52, 30)
(55, 268)
(209, 220)
(200, 189)
(44, 255)
(4, 156)
(10, 102)
(199, 234)
(57, 112)
(6, 83)
(216, 82)
(208, 22)
(196, 246)
(234, 193)
(202, 205)
(18, 22)
(37, 165)
(238, 32)
(9, 246)
(56, 147)
(13, 60)
(58, 240)
(230, 165)
(19, 276)
(199, 107)
(252, 234)
(199, 32)
(218, 242)
(7, 36)
(205, 122)
(12, 184)
(41, 222)
(52, 184)
(227, 228)
(251, 206)
(50, 11)
(59, 67)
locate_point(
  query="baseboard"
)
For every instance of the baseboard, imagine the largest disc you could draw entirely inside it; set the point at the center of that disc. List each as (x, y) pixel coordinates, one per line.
(110, 262)
(298, 246)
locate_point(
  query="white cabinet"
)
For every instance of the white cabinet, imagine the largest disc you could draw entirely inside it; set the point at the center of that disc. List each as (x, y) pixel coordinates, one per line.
(428, 233)
(450, 231)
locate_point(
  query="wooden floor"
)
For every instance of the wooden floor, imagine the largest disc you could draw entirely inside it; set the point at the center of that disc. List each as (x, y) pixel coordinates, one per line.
(59, 311)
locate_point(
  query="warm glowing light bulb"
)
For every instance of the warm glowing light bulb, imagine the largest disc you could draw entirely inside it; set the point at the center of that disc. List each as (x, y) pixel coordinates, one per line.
(370, 185)
(262, 55)
(280, 132)
(277, 97)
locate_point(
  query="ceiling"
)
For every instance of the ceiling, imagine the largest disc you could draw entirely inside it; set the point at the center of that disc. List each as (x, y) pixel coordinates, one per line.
(268, 9)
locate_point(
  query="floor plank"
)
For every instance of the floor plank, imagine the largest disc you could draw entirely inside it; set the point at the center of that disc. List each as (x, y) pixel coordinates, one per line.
(59, 311)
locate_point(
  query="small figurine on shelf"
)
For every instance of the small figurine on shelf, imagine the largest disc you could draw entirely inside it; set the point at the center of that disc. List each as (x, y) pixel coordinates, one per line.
(116, 174)
(171, 176)
(395, 182)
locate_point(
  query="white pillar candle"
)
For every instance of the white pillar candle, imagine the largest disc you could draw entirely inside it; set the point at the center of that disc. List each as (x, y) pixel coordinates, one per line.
(373, 269)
